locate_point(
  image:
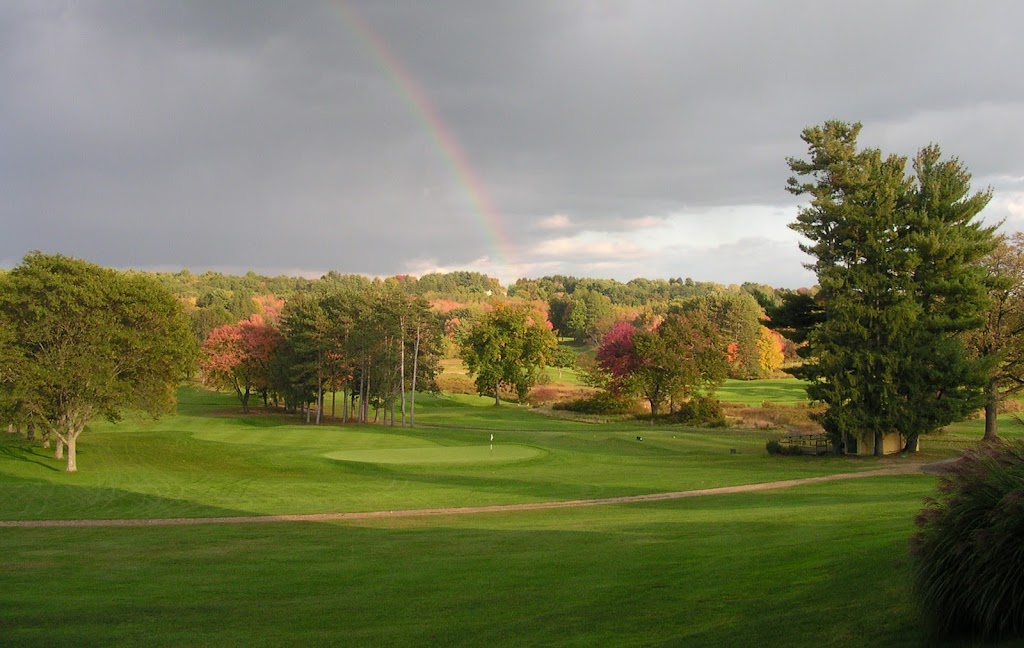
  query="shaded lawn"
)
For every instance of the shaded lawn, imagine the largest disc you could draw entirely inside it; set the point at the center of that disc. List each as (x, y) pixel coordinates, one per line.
(810, 566)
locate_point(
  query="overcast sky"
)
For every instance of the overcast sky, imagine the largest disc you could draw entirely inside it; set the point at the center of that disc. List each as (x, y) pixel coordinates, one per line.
(602, 139)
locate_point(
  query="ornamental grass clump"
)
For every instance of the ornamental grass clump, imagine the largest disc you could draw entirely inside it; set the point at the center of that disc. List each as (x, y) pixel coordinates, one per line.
(969, 548)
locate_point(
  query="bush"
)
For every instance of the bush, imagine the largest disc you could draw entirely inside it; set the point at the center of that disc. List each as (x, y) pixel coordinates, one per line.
(602, 402)
(968, 556)
(775, 447)
(702, 411)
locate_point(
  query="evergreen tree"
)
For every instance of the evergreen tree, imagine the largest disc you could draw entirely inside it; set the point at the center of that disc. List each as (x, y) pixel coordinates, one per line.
(897, 260)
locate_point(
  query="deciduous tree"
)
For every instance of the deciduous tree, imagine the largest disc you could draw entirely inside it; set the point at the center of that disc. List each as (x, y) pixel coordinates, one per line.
(681, 356)
(507, 347)
(86, 341)
(239, 356)
(1002, 335)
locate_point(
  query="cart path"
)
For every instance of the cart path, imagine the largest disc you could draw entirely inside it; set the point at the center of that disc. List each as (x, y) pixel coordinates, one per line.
(465, 510)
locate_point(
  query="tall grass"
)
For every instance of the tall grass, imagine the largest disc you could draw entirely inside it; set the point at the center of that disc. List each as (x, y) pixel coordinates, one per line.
(969, 547)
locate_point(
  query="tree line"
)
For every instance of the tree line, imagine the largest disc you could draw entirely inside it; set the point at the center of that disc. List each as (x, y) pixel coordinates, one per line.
(376, 346)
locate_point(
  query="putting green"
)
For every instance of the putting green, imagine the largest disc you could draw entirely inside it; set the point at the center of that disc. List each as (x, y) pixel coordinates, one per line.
(312, 437)
(439, 454)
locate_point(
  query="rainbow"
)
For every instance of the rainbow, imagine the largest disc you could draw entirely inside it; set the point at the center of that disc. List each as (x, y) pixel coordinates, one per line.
(444, 138)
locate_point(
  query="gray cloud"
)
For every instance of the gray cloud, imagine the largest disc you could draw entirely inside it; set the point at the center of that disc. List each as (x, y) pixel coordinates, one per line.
(275, 135)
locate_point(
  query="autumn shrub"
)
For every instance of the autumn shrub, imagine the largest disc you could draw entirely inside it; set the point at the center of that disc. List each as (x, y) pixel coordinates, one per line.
(968, 551)
(796, 418)
(543, 394)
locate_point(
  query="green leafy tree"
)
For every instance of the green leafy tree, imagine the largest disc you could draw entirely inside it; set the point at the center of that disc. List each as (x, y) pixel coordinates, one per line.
(305, 327)
(564, 357)
(87, 341)
(508, 346)
(1002, 335)
(898, 265)
(737, 316)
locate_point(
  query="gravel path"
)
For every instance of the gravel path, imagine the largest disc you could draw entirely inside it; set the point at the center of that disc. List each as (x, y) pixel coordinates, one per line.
(498, 508)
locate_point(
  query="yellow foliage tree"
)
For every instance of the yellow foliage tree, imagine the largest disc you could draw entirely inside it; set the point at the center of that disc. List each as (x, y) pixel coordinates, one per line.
(769, 351)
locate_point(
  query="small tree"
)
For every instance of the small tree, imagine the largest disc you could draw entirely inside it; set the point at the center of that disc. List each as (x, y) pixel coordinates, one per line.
(1002, 335)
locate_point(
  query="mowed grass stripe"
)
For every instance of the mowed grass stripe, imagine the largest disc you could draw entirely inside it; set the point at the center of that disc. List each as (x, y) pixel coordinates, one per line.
(481, 454)
(309, 436)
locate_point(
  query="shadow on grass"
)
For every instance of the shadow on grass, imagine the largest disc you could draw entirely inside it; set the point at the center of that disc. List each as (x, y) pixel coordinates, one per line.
(447, 476)
(27, 453)
(668, 578)
(21, 502)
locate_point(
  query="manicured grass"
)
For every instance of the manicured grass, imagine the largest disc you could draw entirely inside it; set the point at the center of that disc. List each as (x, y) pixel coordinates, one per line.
(782, 391)
(817, 565)
(482, 454)
(812, 565)
(209, 461)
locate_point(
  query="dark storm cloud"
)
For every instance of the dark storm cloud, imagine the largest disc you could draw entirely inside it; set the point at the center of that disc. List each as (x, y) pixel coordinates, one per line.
(273, 135)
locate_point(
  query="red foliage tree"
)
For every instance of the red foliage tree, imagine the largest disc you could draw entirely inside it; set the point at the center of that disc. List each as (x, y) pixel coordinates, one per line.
(617, 354)
(238, 356)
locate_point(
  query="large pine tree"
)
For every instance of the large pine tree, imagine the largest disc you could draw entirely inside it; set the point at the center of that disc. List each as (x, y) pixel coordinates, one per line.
(897, 258)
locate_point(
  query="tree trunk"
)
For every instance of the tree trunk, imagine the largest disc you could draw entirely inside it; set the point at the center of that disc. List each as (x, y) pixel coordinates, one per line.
(72, 455)
(344, 404)
(415, 367)
(401, 369)
(654, 409)
(364, 395)
(911, 445)
(991, 411)
(319, 400)
(878, 444)
(497, 391)
(334, 394)
(245, 400)
(365, 403)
